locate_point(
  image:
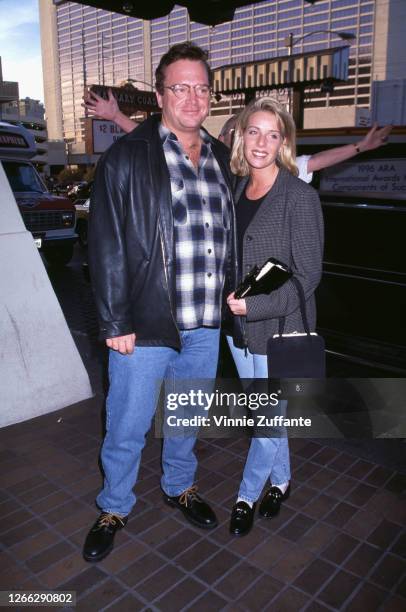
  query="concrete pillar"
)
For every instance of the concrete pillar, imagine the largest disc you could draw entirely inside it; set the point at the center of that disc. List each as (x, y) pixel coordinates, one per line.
(50, 69)
(40, 367)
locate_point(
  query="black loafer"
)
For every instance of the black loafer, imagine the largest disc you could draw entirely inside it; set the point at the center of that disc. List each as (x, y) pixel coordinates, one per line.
(195, 509)
(272, 501)
(100, 539)
(242, 518)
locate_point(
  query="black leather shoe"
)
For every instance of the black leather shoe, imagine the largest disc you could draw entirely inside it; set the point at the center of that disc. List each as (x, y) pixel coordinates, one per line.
(242, 518)
(272, 501)
(194, 508)
(100, 539)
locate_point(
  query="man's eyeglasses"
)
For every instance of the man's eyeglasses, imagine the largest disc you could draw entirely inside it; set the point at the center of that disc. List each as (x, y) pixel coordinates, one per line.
(182, 90)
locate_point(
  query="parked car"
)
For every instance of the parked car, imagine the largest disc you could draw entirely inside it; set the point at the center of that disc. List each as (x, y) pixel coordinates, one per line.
(51, 219)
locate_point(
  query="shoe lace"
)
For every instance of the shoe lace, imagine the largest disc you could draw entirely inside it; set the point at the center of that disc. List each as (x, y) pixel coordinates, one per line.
(108, 519)
(189, 495)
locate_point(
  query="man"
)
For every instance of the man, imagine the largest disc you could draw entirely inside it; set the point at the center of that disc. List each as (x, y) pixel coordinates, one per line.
(227, 131)
(159, 241)
(306, 164)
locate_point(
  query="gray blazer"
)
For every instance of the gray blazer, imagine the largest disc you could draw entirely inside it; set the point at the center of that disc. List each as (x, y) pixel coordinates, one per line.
(288, 226)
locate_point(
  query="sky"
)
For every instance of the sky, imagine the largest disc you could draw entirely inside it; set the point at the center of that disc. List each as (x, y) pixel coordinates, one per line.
(20, 47)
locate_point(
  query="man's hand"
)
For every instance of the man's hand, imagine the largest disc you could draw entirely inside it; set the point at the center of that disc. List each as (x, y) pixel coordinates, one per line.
(122, 344)
(375, 138)
(99, 107)
(237, 307)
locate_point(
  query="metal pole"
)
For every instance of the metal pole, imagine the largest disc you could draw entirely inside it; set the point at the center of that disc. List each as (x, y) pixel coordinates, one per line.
(290, 51)
(290, 43)
(102, 57)
(84, 62)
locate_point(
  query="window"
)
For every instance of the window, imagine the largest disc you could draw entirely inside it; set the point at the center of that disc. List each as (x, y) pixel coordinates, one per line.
(289, 13)
(76, 20)
(340, 24)
(177, 38)
(367, 8)
(290, 23)
(23, 177)
(315, 18)
(264, 28)
(262, 10)
(243, 12)
(241, 23)
(342, 3)
(263, 37)
(221, 45)
(364, 70)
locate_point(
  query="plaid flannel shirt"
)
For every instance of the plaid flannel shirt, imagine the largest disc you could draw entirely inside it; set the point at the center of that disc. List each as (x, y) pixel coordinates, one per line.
(201, 217)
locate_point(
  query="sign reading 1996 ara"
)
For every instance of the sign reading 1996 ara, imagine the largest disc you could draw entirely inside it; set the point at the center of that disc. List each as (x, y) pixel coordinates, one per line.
(103, 135)
(371, 178)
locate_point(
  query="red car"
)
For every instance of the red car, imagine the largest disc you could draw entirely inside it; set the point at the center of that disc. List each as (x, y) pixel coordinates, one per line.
(51, 219)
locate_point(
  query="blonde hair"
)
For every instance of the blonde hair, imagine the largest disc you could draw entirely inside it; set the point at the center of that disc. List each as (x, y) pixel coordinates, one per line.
(286, 125)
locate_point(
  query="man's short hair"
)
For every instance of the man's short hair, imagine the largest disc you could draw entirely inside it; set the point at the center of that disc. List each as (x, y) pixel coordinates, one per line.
(227, 131)
(186, 50)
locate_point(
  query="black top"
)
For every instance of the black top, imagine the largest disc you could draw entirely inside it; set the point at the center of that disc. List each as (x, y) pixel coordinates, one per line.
(245, 210)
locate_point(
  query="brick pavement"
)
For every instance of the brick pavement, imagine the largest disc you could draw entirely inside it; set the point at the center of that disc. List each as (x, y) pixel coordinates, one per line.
(339, 542)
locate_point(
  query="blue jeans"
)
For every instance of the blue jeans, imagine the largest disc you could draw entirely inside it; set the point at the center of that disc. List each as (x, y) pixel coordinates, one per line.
(130, 407)
(267, 457)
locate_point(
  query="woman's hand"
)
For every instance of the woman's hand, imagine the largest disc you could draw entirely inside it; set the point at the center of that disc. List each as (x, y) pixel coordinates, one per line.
(237, 307)
(99, 107)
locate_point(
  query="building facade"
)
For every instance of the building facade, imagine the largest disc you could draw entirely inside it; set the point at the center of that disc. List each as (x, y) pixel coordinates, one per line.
(83, 45)
(26, 112)
(8, 89)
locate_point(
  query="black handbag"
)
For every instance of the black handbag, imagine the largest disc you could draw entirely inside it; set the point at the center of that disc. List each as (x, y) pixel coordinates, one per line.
(296, 356)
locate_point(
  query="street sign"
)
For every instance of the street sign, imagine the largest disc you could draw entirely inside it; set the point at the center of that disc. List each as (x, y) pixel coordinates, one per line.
(129, 98)
(101, 135)
(371, 178)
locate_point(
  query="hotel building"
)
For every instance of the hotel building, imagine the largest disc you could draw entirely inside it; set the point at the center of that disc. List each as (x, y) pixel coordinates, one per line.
(82, 45)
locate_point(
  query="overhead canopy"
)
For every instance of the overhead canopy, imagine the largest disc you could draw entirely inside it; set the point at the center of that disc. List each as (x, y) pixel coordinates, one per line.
(208, 12)
(304, 69)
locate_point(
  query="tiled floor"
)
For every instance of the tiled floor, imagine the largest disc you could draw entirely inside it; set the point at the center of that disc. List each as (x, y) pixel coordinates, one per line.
(338, 544)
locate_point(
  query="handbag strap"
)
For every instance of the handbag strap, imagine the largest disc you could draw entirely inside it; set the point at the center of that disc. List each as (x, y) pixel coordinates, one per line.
(302, 302)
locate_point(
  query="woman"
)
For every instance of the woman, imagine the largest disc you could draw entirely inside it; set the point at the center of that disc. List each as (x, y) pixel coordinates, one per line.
(277, 216)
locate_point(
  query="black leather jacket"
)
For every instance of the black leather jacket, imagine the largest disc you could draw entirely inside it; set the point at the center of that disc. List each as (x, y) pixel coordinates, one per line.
(131, 241)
